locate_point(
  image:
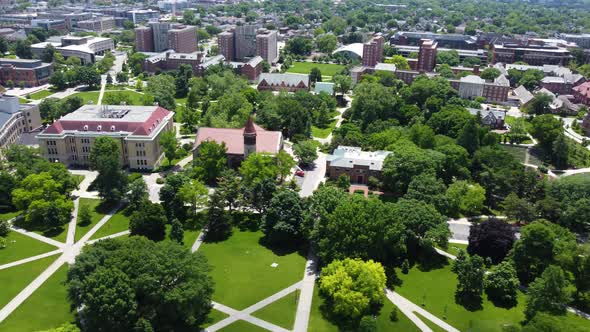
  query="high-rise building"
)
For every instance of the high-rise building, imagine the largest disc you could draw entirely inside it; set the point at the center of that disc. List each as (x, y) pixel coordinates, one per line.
(373, 51)
(427, 55)
(266, 45)
(144, 40)
(245, 42)
(159, 37)
(183, 39)
(225, 44)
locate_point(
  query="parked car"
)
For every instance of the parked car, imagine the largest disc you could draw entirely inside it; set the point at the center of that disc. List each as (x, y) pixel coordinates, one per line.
(300, 173)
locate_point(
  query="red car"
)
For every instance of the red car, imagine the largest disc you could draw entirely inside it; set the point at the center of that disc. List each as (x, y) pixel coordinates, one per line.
(300, 173)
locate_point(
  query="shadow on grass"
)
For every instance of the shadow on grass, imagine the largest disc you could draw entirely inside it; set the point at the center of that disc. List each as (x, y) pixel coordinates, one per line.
(284, 247)
(468, 301)
(47, 232)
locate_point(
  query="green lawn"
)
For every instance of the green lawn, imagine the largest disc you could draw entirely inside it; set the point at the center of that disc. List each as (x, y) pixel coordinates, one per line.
(23, 100)
(119, 222)
(135, 98)
(242, 326)
(241, 268)
(214, 317)
(454, 248)
(318, 322)
(15, 278)
(323, 132)
(435, 290)
(281, 312)
(517, 152)
(327, 69)
(97, 211)
(46, 308)
(20, 246)
(41, 94)
(433, 327)
(87, 96)
(9, 215)
(58, 234)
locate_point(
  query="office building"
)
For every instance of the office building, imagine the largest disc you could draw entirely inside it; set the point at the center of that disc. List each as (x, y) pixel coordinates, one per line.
(173, 6)
(427, 56)
(142, 15)
(72, 19)
(16, 119)
(453, 41)
(582, 40)
(531, 54)
(266, 45)
(24, 72)
(85, 48)
(137, 130)
(49, 24)
(99, 24)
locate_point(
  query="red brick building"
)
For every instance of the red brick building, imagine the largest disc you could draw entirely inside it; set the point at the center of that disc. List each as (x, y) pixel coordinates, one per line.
(582, 93)
(373, 51)
(225, 44)
(144, 40)
(25, 72)
(427, 56)
(183, 39)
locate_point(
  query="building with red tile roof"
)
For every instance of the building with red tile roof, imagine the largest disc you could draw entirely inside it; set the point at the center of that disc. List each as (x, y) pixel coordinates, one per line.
(137, 129)
(241, 142)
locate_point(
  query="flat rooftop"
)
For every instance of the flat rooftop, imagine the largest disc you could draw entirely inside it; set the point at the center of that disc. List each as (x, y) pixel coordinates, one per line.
(109, 112)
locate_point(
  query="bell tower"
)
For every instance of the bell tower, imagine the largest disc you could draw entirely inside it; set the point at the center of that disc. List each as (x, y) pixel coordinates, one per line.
(249, 138)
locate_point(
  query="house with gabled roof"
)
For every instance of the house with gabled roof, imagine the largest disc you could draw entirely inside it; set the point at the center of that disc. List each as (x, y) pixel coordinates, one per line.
(283, 82)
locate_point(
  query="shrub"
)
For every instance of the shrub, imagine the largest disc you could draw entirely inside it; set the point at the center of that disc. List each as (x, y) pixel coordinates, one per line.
(393, 315)
(4, 228)
(160, 181)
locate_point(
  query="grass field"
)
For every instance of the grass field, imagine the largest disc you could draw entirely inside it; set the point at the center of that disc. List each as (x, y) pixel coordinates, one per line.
(319, 323)
(87, 96)
(214, 317)
(46, 308)
(135, 98)
(433, 327)
(9, 215)
(281, 312)
(119, 222)
(517, 152)
(242, 326)
(241, 269)
(20, 246)
(41, 94)
(454, 248)
(327, 69)
(323, 132)
(23, 100)
(435, 290)
(97, 211)
(15, 278)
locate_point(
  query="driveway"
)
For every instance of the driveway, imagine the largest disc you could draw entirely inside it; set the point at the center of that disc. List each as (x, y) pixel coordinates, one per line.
(314, 177)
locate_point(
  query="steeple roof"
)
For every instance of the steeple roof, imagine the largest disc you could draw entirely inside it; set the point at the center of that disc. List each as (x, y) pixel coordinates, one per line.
(250, 128)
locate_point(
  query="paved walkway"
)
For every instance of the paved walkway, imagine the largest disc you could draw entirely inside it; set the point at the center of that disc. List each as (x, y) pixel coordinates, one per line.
(409, 308)
(69, 251)
(245, 314)
(306, 294)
